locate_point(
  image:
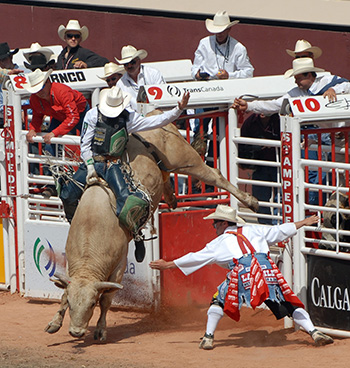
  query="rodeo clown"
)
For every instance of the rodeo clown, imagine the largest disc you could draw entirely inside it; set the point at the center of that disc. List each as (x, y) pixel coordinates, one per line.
(105, 134)
(254, 277)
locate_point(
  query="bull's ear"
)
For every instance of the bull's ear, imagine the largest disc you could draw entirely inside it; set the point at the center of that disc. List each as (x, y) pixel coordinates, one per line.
(61, 280)
(107, 286)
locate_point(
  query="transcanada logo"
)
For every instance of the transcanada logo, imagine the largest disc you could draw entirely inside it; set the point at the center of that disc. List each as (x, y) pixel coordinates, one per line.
(204, 89)
(44, 256)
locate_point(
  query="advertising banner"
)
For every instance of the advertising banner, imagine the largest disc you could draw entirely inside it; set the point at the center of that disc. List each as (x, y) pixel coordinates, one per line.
(45, 255)
(328, 288)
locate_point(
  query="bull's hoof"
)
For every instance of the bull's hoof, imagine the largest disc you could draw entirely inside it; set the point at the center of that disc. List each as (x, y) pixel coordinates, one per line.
(100, 335)
(52, 328)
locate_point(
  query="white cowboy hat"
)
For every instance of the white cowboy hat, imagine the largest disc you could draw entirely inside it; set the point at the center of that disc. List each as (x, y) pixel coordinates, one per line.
(302, 65)
(113, 101)
(73, 25)
(129, 53)
(225, 213)
(110, 69)
(220, 23)
(36, 80)
(305, 46)
(36, 48)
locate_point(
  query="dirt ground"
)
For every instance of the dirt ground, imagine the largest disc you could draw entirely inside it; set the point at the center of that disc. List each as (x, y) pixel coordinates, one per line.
(148, 340)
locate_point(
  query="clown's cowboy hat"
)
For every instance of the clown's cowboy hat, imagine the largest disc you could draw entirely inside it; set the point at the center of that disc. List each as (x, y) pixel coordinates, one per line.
(113, 101)
(220, 22)
(225, 213)
(73, 25)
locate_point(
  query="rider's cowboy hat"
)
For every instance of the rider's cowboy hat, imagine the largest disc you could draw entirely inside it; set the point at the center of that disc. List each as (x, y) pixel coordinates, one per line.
(129, 53)
(38, 62)
(73, 25)
(225, 213)
(36, 80)
(302, 65)
(113, 101)
(220, 22)
(5, 51)
(110, 69)
(305, 46)
(35, 48)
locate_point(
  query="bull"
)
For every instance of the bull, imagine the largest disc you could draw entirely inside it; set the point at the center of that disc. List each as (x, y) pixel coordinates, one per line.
(97, 244)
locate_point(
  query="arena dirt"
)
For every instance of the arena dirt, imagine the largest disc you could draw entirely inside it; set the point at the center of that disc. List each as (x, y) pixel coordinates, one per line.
(170, 338)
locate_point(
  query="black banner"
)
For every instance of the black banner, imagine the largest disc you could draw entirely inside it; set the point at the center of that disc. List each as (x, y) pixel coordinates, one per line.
(328, 292)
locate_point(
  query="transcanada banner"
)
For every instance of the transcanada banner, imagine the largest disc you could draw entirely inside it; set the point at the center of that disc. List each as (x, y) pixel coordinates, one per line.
(328, 298)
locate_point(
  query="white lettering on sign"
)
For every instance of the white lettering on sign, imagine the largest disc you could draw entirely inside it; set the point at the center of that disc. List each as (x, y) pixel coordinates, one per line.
(287, 177)
(328, 296)
(10, 153)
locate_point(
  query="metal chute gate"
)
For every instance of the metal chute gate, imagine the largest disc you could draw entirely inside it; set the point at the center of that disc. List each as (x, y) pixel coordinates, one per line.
(315, 177)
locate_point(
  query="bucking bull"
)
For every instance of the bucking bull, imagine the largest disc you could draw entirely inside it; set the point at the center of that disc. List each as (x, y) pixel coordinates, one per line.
(97, 244)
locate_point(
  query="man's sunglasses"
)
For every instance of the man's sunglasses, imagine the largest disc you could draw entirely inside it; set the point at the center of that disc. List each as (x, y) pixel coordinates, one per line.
(113, 79)
(75, 35)
(132, 62)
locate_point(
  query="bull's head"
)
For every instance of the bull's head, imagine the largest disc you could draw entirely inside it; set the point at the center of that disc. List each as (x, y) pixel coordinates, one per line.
(82, 297)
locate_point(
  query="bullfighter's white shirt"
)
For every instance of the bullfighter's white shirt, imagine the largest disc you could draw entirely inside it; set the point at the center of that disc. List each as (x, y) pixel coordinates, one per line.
(270, 107)
(225, 247)
(231, 56)
(136, 123)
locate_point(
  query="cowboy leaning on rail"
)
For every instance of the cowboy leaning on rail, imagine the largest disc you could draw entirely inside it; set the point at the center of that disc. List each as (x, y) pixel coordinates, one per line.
(104, 139)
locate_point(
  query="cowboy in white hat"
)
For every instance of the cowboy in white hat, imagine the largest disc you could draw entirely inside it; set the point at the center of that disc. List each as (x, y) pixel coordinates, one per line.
(136, 74)
(220, 56)
(104, 138)
(65, 106)
(36, 49)
(112, 73)
(304, 48)
(73, 55)
(244, 250)
(308, 83)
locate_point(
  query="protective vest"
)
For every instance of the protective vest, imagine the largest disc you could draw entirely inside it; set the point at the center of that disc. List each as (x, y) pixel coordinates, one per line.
(111, 135)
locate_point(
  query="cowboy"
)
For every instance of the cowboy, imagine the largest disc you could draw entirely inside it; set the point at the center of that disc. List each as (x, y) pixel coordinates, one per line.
(304, 48)
(66, 106)
(244, 250)
(308, 83)
(112, 74)
(39, 61)
(39, 57)
(6, 62)
(109, 122)
(136, 74)
(220, 56)
(73, 55)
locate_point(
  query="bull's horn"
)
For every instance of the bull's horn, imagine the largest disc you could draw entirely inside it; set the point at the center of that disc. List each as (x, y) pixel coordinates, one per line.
(105, 285)
(62, 280)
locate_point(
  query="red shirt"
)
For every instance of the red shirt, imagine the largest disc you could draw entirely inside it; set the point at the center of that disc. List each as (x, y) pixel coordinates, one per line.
(65, 105)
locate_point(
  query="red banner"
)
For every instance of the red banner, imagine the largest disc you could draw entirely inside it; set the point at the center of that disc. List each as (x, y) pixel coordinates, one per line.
(287, 177)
